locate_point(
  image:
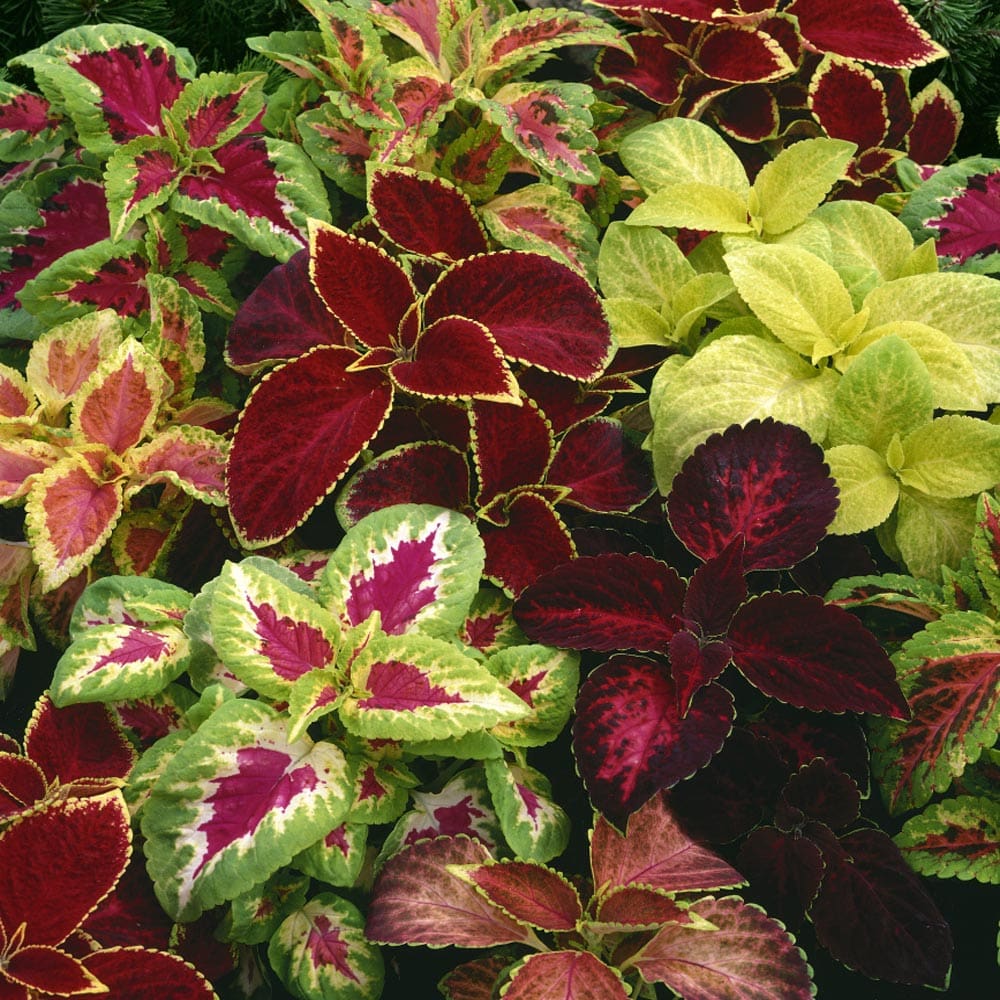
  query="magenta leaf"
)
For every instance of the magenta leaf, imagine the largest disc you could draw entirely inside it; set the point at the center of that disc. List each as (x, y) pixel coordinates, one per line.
(969, 220)
(528, 892)
(902, 937)
(605, 602)
(814, 655)
(417, 900)
(767, 481)
(276, 473)
(631, 740)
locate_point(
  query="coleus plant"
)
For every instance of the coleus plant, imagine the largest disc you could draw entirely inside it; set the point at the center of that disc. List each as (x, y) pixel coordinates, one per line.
(443, 319)
(643, 917)
(325, 684)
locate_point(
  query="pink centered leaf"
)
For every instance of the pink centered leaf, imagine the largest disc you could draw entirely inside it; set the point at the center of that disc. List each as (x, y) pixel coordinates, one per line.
(399, 686)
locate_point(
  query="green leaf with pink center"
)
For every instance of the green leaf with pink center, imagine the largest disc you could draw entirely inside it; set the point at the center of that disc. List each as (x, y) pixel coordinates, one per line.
(417, 565)
(533, 824)
(129, 600)
(236, 802)
(141, 176)
(269, 631)
(255, 915)
(338, 858)
(320, 950)
(417, 687)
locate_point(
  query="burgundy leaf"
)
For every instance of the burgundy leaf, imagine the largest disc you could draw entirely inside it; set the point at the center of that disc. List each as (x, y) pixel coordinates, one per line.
(814, 655)
(564, 401)
(132, 914)
(821, 792)
(119, 283)
(606, 602)
(694, 664)
(606, 472)
(529, 892)
(937, 121)
(716, 589)
(785, 871)
(766, 480)
(22, 784)
(750, 113)
(278, 472)
(281, 318)
(500, 467)
(531, 542)
(474, 980)
(425, 214)
(739, 53)
(901, 936)
(849, 102)
(128, 973)
(629, 738)
(538, 310)
(655, 72)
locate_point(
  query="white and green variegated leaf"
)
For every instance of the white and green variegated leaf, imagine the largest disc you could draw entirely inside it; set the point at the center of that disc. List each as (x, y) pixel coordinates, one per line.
(267, 633)
(463, 807)
(320, 951)
(128, 600)
(952, 456)
(931, 532)
(679, 151)
(338, 858)
(313, 695)
(641, 263)
(733, 380)
(419, 566)
(545, 679)
(118, 662)
(798, 296)
(237, 802)
(414, 687)
(535, 827)
(868, 489)
(148, 768)
(255, 915)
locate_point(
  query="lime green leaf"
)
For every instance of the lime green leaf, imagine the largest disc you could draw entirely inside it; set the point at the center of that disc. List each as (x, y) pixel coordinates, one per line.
(338, 858)
(641, 263)
(535, 827)
(797, 180)
(952, 456)
(694, 205)
(695, 298)
(931, 532)
(254, 916)
(635, 323)
(956, 838)
(868, 489)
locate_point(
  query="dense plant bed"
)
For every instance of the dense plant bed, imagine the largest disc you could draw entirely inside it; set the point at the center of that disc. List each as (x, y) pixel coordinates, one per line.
(499, 498)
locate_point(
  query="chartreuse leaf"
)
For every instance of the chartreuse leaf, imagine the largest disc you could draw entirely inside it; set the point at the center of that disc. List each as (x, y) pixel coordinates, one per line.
(236, 803)
(950, 675)
(952, 456)
(733, 380)
(798, 296)
(868, 488)
(789, 187)
(269, 635)
(886, 391)
(986, 546)
(337, 859)
(533, 824)
(635, 324)
(314, 694)
(694, 205)
(254, 915)
(419, 566)
(320, 950)
(931, 532)
(417, 687)
(955, 838)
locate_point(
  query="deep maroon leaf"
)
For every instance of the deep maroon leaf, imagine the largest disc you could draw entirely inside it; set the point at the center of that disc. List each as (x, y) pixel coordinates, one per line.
(501, 468)
(785, 871)
(128, 973)
(750, 113)
(655, 71)
(425, 214)
(629, 738)
(131, 915)
(570, 974)
(716, 589)
(820, 791)
(874, 915)
(766, 480)
(474, 980)
(739, 53)
(605, 602)
(302, 427)
(693, 664)
(937, 121)
(564, 401)
(538, 310)
(849, 103)
(606, 472)
(281, 318)
(814, 655)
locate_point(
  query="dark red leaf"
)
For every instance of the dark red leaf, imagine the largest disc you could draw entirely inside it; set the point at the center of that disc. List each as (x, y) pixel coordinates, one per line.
(22, 783)
(119, 284)
(604, 602)
(766, 480)
(281, 318)
(694, 664)
(538, 310)
(749, 113)
(424, 214)
(500, 466)
(131, 915)
(934, 132)
(629, 738)
(737, 53)
(821, 791)
(716, 589)
(529, 892)
(302, 427)
(849, 102)
(814, 655)
(128, 973)
(873, 914)
(656, 71)
(564, 401)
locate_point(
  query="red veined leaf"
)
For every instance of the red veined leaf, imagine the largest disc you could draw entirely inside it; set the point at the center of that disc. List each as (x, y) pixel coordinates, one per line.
(630, 739)
(566, 975)
(820, 791)
(280, 319)
(362, 286)
(215, 108)
(655, 852)
(425, 214)
(192, 458)
(937, 120)
(814, 655)
(605, 602)
(873, 31)
(538, 310)
(737, 53)
(128, 972)
(693, 664)
(276, 473)
(529, 892)
(417, 900)
(638, 906)
(44, 970)
(969, 223)
(848, 101)
(474, 980)
(16, 396)
(28, 123)
(716, 589)
(767, 481)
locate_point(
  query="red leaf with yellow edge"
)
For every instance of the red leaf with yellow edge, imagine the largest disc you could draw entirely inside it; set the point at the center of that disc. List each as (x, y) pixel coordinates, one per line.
(46, 970)
(565, 975)
(937, 120)
(848, 101)
(191, 458)
(499, 467)
(736, 53)
(655, 72)
(528, 892)
(128, 972)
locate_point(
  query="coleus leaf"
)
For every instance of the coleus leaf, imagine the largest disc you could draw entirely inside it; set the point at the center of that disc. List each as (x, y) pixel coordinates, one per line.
(937, 120)
(748, 955)
(29, 124)
(654, 851)
(418, 566)
(957, 837)
(535, 827)
(635, 907)
(475, 980)
(216, 107)
(950, 674)
(631, 739)
(849, 102)
(986, 546)
(565, 975)
(344, 410)
(141, 176)
(338, 857)
(191, 458)
(235, 801)
(43, 968)
(417, 900)
(321, 950)
(127, 971)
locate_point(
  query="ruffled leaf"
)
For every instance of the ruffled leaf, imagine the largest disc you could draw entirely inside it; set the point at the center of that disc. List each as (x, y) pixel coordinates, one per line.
(191, 458)
(527, 891)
